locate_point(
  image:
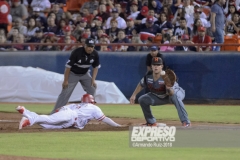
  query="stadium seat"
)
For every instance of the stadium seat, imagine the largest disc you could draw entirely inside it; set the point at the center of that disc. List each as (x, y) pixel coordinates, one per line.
(206, 11)
(145, 35)
(230, 40)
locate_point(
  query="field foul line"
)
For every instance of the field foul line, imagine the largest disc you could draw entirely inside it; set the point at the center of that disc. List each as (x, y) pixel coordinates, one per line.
(8, 121)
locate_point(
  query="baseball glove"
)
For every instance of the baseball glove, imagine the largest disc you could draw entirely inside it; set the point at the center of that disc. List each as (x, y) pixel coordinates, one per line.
(169, 77)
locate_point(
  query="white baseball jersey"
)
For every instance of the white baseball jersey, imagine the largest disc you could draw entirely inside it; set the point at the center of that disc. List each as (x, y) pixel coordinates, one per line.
(85, 112)
(73, 115)
(121, 23)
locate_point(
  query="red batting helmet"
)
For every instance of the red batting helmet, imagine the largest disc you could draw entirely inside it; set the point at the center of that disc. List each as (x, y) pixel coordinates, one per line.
(88, 98)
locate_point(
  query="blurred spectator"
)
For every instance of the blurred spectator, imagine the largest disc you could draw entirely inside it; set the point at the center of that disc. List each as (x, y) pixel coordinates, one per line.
(87, 30)
(120, 11)
(52, 27)
(67, 32)
(109, 4)
(163, 23)
(99, 34)
(166, 40)
(217, 22)
(136, 39)
(197, 13)
(202, 38)
(3, 32)
(156, 5)
(56, 9)
(127, 5)
(115, 16)
(182, 28)
(83, 23)
(86, 14)
(40, 19)
(134, 11)
(233, 26)
(197, 23)
(48, 40)
(96, 23)
(185, 39)
(179, 13)
(168, 12)
(5, 10)
(199, 10)
(18, 10)
(21, 41)
(130, 27)
(105, 37)
(90, 6)
(77, 32)
(31, 28)
(188, 7)
(3, 41)
(68, 17)
(83, 38)
(150, 13)
(68, 41)
(12, 37)
(172, 4)
(102, 13)
(231, 9)
(104, 48)
(121, 38)
(61, 3)
(53, 15)
(43, 5)
(17, 23)
(148, 29)
(61, 26)
(113, 30)
(143, 14)
(37, 38)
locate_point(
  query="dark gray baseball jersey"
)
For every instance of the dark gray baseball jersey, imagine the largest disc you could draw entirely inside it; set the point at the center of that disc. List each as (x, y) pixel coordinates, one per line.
(157, 87)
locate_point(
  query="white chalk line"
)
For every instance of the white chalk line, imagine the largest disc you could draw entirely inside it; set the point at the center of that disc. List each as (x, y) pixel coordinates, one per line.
(11, 121)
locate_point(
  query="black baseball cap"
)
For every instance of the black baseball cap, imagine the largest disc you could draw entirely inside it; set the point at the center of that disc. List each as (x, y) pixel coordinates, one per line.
(90, 42)
(156, 60)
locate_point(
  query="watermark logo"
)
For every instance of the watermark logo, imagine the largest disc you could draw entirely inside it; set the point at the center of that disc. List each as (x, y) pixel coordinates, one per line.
(144, 136)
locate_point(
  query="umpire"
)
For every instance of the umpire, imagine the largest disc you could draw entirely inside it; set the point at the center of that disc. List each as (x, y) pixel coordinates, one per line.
(77, 70)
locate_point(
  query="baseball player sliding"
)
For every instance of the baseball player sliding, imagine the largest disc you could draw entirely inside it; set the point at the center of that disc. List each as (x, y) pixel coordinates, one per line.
(160, 93)
(73, 115)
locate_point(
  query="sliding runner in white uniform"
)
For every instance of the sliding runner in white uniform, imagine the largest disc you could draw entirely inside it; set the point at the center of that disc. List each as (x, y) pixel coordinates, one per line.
(73, 115)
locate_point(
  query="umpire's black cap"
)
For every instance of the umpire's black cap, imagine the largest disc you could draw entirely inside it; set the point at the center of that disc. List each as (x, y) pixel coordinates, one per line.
(90, 42)
(156, 60)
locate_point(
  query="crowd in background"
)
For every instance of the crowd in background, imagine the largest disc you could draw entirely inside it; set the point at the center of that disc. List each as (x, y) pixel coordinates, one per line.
(112, 21)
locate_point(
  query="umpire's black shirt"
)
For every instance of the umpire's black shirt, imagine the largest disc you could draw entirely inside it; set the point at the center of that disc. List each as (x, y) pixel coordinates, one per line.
(80, 61)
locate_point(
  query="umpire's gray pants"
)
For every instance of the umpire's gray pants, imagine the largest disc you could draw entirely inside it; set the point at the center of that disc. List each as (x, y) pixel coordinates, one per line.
(73, 79)
(150, 99)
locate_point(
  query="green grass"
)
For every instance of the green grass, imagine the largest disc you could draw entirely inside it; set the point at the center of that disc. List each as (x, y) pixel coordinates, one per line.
(114, 145)
(202, 113)
(101, 146)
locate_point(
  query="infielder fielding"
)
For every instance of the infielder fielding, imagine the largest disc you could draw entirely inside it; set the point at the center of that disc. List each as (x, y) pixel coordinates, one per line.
(160, 93)
(77, 70)
(73, 115)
